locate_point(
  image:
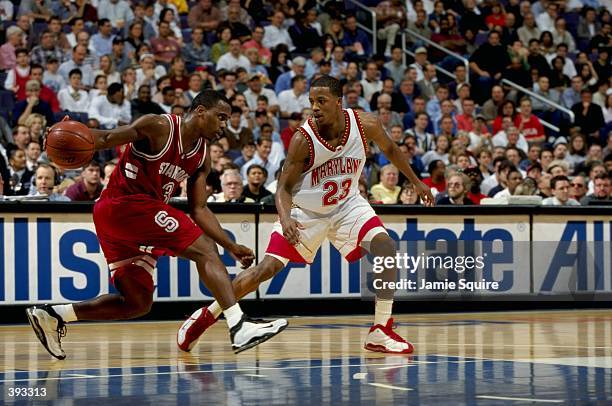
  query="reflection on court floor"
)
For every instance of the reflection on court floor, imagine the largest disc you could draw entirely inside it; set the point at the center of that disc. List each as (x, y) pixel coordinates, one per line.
(492, 358)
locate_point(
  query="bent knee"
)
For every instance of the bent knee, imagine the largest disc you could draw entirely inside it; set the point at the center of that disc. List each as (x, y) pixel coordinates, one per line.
(382, 244)
(139, 308)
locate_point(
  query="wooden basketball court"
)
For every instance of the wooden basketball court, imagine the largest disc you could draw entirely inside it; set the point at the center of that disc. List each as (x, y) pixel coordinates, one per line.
(470, 358)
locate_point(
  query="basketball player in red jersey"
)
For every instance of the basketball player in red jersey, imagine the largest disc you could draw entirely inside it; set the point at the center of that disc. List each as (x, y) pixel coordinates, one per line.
(317, 198)
(135, 224)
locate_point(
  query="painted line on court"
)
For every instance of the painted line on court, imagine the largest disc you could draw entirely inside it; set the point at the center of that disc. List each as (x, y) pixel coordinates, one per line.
(382, 385)
(251, 369)
(520, 399)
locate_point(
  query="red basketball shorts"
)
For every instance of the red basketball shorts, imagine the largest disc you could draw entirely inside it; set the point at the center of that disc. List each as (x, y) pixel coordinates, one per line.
(134, 230)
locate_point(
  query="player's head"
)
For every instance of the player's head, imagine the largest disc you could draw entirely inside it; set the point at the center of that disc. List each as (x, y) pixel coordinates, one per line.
(326, 99)
(210, 111)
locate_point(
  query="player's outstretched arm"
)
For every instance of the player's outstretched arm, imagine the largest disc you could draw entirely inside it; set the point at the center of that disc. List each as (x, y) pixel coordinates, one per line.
(297, 156)
(147, 126)
(374, 131)
(206, 220)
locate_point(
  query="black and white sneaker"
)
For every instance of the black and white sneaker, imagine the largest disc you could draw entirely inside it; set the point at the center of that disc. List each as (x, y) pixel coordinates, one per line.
(250, 332)
(49, 328)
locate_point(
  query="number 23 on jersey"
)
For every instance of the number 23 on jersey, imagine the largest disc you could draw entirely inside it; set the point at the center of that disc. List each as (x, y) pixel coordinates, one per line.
(331, 189)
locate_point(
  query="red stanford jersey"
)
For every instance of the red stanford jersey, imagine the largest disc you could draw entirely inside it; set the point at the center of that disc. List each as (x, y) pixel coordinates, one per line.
(157, 176)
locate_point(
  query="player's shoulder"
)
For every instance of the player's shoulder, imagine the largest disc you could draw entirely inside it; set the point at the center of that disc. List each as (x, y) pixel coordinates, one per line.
(367, 120)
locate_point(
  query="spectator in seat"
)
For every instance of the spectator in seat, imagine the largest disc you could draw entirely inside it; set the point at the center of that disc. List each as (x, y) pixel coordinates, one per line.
(111, 110)
(457, 186)
(247, 152)
(234, 134)
(602, 190)
(44, 183)
(74, 98)
(436, 179)
(164, 46)
(46, 93)
(256, 41)
(355, 41)
(204, 15)
(255, 189)
(79, 53)
(387, 191)
(560, 186)
(19, 177)
(513, 179)
(371, 83)
(487, 64)
(427, 86)
(528, 124)
(255, 90)
(233, 59)
(295, 99)
(89, 187)
(391, 17)
(578, 188)
(261, 157)
(32, 104)
(275, 33)
(475, 177)
(14, 39)
(589, 116)
(284, 80)
(143, 104)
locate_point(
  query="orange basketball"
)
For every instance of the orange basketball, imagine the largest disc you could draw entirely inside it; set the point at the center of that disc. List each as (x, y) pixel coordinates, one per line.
(70, 144)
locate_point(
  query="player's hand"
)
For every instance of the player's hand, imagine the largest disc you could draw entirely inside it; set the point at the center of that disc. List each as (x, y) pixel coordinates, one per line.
(291, 230)
(425, 193)
(243, 254)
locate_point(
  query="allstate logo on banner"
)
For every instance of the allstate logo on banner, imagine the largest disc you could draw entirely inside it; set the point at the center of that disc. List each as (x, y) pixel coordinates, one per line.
(330, 275)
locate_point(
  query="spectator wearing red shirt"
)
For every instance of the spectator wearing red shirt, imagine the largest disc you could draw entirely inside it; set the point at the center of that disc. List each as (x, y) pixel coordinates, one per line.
(474, 194)
(528, 124)
(46, 94)
(497, 18)
(465, 121)
(287, 133)
(89, 188)
(165, 48)
(436, 179)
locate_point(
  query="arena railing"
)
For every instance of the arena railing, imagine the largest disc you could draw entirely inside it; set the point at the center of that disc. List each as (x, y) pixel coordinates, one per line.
(371, 31)
(543, 99)
(439, 47)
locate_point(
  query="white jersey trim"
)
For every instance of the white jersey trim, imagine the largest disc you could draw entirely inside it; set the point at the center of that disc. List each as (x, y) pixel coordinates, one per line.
(163, 151)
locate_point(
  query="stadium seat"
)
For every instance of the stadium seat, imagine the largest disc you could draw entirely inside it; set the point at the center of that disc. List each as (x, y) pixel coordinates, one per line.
(7, 102)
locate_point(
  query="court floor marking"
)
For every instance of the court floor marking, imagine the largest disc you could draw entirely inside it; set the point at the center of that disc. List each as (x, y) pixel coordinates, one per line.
(70, 376)
(520, 399)
(382, 385)
(352, 342)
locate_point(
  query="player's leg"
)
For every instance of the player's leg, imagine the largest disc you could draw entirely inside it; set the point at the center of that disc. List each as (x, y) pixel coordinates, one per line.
(245, 283)
(278, 254)
(356, 229)
(245, 332)
(381, 337)
(135, 298)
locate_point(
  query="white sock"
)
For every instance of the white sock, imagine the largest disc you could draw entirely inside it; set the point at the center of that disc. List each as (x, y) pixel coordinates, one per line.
(215, 309)
(233, 315)
(382, 311)
(66, 312)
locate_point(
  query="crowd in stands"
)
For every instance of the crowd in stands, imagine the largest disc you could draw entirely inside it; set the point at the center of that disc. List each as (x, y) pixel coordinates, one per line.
(470, 134)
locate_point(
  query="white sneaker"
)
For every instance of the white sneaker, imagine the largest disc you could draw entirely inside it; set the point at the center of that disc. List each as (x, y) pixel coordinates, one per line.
(250, 332)
(49, 328)
(384, 339)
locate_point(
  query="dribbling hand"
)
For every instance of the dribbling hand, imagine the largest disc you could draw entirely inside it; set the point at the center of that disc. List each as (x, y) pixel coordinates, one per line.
(291, 230)
(243, 254)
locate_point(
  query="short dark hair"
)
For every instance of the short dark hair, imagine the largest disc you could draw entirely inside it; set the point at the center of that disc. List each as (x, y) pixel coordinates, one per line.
(208, 99)
(256, 166)
(103, 21)
(557, 179)
(93, 163)
(37, 66)
(114, 88)
(296, 78)
(167, 90)
(329, 82)
(75, 71)
(432, 165)
(236, 110)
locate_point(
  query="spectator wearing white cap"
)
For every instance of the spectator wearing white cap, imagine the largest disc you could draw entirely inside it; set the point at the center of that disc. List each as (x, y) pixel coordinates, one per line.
(298, 66)
(420, 60)
(8, 60)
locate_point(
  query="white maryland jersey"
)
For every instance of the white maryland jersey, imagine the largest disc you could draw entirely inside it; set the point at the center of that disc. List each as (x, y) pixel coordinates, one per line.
(332, 174)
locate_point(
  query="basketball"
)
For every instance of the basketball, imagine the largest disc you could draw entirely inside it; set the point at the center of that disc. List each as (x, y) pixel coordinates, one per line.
(70, 144)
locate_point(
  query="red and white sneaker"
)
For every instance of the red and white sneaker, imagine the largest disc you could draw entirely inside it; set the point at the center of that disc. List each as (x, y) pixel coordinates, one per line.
(384, 339)
(191, 330)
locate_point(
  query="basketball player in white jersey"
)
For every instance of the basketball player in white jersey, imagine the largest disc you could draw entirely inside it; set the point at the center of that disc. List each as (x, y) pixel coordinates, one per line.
(317, 198)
